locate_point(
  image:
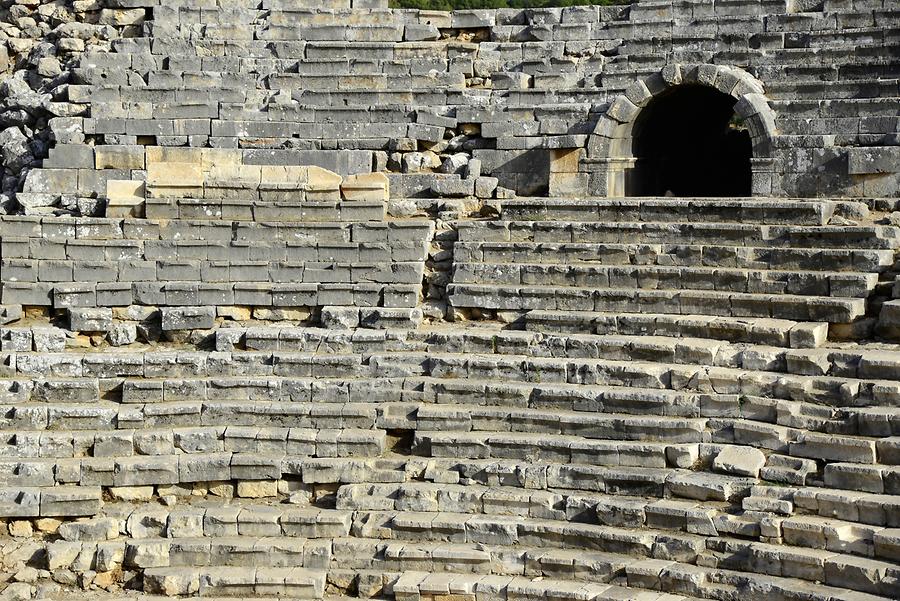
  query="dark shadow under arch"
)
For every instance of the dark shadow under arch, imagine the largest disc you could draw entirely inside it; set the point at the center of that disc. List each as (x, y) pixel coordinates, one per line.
(688, 141)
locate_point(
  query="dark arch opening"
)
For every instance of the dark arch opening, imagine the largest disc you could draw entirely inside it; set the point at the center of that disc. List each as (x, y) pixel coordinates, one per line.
(688, 141)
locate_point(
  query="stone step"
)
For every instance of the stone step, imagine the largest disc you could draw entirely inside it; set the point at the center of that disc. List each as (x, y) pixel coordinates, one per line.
(90, 439)
(867, 508)
(237, 518)
(683, 255)
(262, 211)
(653, 364)
(841, 536)
(684, 302)
(774, 332)
(99, 233)
(866, 87)
(834, 109)
(224, 274)
(236, 582)
(227, 251)
(657, 277)
(466, 445)
(469, 423)
(720, 583)
(19, 446)
(663, 210)
(73, 377)
(701, 233)
(49, 501)
(607, 509)
(192, 293)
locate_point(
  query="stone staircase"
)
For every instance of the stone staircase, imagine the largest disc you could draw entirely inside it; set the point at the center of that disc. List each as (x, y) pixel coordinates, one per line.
(282, 317)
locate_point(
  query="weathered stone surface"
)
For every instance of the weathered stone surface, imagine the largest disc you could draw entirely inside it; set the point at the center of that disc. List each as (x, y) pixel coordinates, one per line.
(188, 318)
(319, 338)
(741, 461)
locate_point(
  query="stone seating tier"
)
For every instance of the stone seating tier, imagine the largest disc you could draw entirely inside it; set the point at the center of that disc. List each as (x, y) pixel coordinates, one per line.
(282, 316)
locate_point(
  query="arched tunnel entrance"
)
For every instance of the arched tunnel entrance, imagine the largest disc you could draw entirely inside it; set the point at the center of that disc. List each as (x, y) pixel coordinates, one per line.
(688, 141)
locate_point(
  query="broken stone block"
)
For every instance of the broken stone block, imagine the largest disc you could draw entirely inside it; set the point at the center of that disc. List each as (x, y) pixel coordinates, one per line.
(97, 319)
(340, 318)
(371, 187)
(172, 581)
(124, 198)
(453, 187)
(257, 489)
(888, 325)
(514, 80)
(188, 318)
(94, 529)
(121, 334)
(455, 163)
(323, 184)
(486, 186)
(20, 528)
(741, 461)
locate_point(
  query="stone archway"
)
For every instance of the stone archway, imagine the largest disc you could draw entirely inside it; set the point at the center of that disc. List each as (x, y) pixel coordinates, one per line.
(610, 159)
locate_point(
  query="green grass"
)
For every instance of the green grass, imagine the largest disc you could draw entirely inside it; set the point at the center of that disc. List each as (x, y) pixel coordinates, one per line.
(470, 4)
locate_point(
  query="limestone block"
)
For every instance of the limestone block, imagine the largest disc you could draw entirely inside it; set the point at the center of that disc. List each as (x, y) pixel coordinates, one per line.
(283, 177)
(62, 554)
(889, 320)
(319, 179)
(415, 32)
(243, 177)
(512, 80)
(119, 157)
(453, 187)
(808, 335)
(121, 334)
(257, 489)
(425, 133)
(416, 162)
(568, 185)
(742, 461)
(879, 159)
(370, 187)
(485, 186)
(887, 543)
(51, 181)
(340, 318)
(95, 529)
(165, 180)
(455, 163)
(131, 493)
(124, 198)
(97, 319)
(172, 581)
(20, 528)
(143, 554)
(122, 16)
(70, 501)
(565, 160)
(220, 156)
(188, 318)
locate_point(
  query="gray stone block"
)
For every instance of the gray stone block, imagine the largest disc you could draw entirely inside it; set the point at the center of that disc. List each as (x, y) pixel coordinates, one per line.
(97, 319)
(188, 318)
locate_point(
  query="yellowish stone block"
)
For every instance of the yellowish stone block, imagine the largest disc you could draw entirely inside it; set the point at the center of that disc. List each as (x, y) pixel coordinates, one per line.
(366, 187)
(124, 198)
